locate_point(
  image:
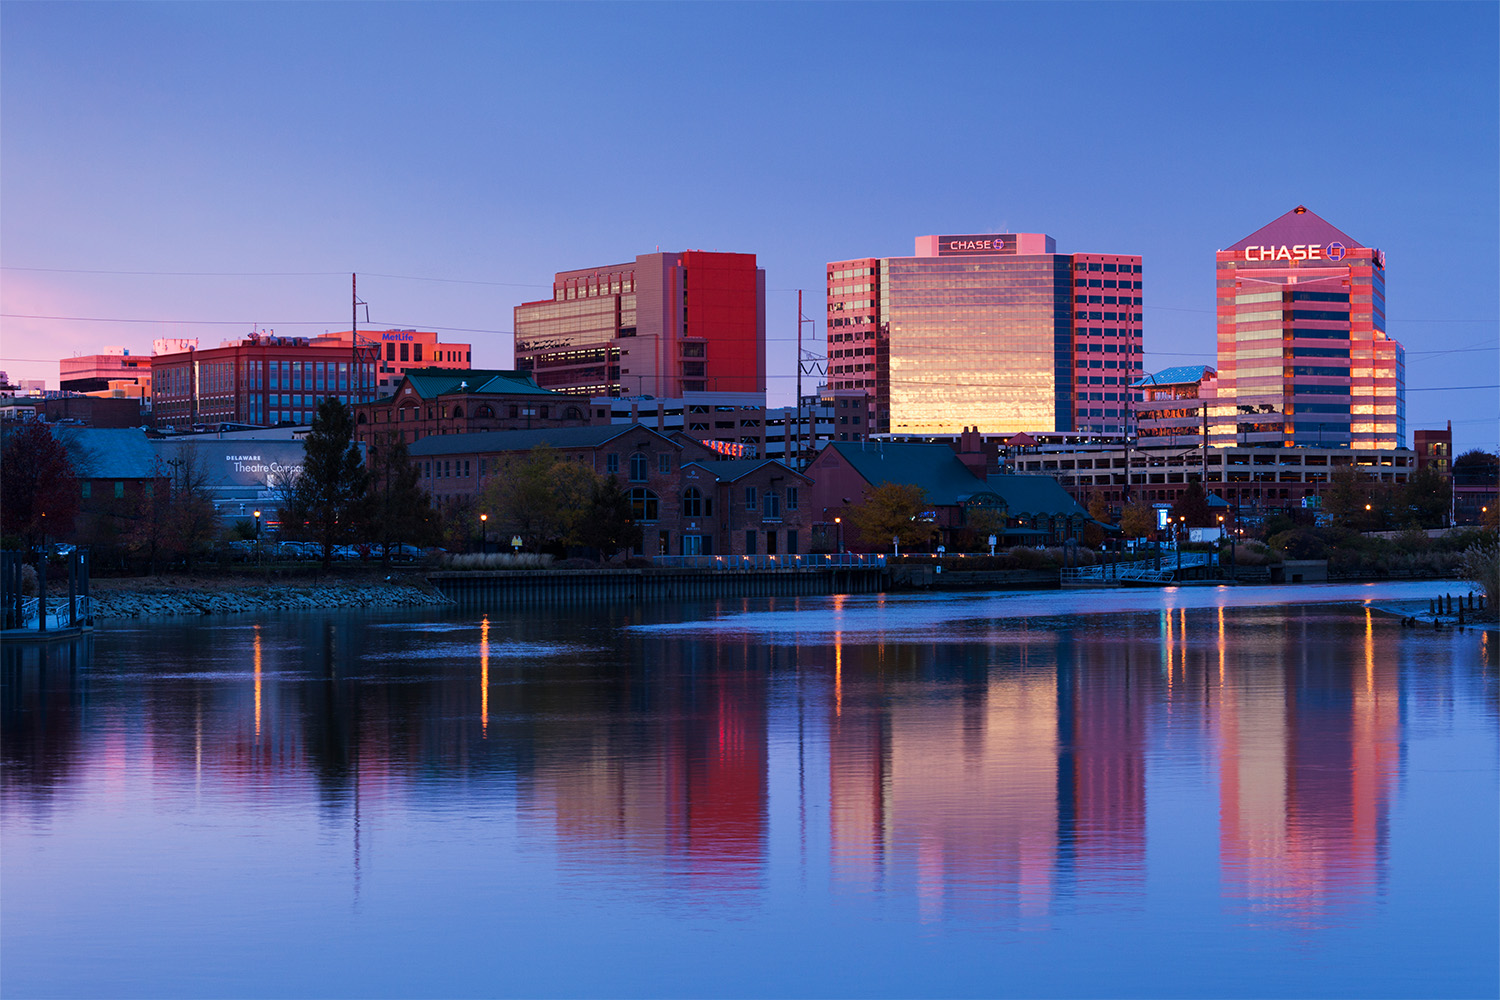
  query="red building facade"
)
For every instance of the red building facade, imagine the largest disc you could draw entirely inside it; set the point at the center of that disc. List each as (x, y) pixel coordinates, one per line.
(663, 325)
(260, 380)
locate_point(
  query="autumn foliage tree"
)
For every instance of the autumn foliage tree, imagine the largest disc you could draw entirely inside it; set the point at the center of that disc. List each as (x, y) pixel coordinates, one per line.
(1138, 520)
(890, 510)
(543, 498)
(38, 486)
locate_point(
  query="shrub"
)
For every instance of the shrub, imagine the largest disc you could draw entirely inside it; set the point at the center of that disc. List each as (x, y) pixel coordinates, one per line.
(1299, 543)
(1481, 564)
(496, 560)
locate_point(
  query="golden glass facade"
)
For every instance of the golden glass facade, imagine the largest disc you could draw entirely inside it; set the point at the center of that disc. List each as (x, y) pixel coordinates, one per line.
(979, 342)
(1003, 340)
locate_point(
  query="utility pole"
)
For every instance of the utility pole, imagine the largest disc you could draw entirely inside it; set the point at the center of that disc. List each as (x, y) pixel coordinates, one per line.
(354, 336)
(799, 379)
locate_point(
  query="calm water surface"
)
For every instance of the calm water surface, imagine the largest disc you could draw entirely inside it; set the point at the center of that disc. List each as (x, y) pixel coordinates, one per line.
(1154, 793)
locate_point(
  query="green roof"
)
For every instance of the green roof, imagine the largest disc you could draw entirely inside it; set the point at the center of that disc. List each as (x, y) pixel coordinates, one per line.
(933, 467)
(110, 453)
(728, 470)
(430, 382)
(1032, 496)
(558, 437)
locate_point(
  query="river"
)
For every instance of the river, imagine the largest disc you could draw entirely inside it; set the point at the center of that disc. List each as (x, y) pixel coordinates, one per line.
(1182, 792)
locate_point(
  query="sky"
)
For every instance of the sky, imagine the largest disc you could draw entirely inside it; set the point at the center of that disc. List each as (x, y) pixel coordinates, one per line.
(205, 170)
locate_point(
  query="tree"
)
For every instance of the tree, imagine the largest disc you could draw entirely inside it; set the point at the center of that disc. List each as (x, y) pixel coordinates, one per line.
(888, 511)
(1344, 501)
(1138, 520)
(1093, 535)
(607, 527)
(399, 510)
(1192, 504)
(179, 522)
(329, 492)
(1424, 500)
(543, 499)
(979, 524)
(39, 490)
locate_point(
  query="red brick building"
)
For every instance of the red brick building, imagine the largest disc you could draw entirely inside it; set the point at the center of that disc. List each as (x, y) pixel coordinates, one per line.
(263, 380)
(434, 401)
(687, 500)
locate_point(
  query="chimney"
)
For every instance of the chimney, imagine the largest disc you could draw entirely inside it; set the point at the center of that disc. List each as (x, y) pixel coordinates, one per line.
(971, 451)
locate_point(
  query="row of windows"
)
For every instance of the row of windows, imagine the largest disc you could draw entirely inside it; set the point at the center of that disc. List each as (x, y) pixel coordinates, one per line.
(1124, 268)
(1096, 283)
(87, 489)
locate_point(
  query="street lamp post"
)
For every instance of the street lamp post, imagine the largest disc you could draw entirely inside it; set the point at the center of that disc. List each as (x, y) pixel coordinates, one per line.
(484, 533)
(838, 533)
(1178, 542)
(257, 538)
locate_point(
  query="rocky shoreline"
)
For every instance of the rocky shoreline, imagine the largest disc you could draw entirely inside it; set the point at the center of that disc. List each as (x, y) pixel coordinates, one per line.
(153, 602)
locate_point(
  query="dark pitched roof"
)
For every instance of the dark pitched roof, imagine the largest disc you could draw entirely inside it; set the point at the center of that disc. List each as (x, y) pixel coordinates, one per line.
(104, 453)
(1029, 496)
(934, 467)
(729, 470)
(430, 382)
(558, 437)
(1180, 375)
(1297, 226)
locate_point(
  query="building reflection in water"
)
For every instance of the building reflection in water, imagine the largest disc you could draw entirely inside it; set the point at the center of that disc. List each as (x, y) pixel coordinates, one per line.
(1310, 751)
(998, 780)
(1000, 769)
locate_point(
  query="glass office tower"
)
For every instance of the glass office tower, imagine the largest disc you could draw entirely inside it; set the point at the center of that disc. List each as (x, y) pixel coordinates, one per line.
(1304, 357)
(997, 331)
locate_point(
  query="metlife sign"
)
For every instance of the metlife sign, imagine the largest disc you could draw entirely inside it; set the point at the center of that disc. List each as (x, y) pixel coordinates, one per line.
(988, 243)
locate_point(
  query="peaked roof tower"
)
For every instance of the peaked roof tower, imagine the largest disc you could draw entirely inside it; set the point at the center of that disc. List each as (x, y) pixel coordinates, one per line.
(1297, 226)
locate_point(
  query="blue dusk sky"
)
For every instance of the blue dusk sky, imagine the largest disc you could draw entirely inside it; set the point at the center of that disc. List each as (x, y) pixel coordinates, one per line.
(201, 170)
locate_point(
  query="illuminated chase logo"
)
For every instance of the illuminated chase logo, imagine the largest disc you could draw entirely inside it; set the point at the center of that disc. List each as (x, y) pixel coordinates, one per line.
(981, 244)
(1301, 251)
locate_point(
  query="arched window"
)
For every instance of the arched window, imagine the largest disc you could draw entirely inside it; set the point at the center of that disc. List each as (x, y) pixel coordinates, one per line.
(485, 411)
(692, 502)
(638, 468)
(361, 419)
(644, 505)
(572, 413)
(458, 412)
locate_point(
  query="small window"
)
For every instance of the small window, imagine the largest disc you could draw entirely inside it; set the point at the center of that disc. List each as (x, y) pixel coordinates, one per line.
(88, 489)
(771, 507)
(612, 464)
(664, 463)
(119, 490)
(750, 497)
(791, 498)
(692, 502)
(638, 467)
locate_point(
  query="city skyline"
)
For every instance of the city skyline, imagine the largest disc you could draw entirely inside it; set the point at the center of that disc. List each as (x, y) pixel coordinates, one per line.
(237, 164)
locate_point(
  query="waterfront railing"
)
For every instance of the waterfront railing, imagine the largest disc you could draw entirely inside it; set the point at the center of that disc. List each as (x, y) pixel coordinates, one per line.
(824, 560)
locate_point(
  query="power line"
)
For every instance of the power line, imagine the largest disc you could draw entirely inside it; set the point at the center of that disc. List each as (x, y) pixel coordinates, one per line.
(271, 274)
(176, 322)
